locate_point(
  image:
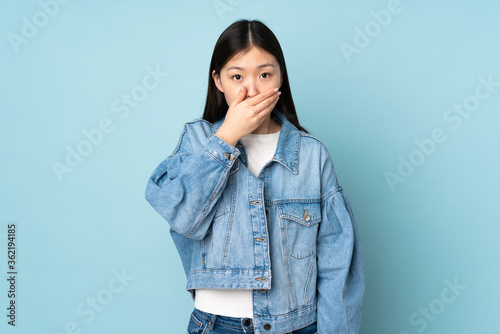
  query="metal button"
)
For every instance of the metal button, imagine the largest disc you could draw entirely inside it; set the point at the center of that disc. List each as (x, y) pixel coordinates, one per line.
(306, 216)
(255, 202)
(263, 279)
(230, 156)
(267, 327)
(247, 322)
(263, 290)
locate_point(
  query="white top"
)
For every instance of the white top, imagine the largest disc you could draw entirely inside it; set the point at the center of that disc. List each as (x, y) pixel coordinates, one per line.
(260, 148)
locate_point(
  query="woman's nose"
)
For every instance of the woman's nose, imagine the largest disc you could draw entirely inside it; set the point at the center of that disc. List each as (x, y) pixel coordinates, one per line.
(251, 89)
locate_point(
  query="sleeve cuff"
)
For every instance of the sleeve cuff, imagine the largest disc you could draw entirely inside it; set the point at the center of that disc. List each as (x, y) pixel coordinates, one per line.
(221, 150)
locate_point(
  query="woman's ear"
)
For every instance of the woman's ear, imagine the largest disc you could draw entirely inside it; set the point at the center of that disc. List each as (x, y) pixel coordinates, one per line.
(217, 82)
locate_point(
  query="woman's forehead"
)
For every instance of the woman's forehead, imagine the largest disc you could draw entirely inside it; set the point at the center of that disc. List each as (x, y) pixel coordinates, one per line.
(254, 58)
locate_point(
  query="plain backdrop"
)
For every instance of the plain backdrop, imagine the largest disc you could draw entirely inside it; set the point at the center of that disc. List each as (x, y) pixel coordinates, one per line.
(405, 94)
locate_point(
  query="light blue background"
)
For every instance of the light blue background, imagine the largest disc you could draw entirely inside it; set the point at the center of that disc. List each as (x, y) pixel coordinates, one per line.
(440, 224)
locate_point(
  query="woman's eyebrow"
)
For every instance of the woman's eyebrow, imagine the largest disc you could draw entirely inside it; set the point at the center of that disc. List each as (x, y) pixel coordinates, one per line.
(241, 68)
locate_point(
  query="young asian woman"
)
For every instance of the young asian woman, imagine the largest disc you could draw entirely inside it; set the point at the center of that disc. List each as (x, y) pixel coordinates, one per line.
(264, 230)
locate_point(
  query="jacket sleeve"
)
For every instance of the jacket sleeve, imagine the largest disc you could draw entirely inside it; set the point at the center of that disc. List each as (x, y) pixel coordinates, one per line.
(186, 187)
(340, 282)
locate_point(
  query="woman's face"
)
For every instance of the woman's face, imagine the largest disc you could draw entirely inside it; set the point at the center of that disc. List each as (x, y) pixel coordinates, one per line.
(257, 70)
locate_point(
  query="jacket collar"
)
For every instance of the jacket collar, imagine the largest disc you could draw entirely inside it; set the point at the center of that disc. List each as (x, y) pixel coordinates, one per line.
(287, 151)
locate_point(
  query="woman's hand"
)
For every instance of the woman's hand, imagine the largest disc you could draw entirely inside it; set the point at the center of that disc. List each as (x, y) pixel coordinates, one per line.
(244, 116)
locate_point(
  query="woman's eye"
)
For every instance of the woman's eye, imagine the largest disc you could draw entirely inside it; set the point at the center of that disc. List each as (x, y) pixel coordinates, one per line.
(266, 74)
(236, 75)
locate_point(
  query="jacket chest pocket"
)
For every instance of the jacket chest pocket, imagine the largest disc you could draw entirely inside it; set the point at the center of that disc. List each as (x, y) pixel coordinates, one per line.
(299, 224)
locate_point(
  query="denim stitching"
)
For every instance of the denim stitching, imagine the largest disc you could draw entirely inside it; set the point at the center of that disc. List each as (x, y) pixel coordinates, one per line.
(196, 321)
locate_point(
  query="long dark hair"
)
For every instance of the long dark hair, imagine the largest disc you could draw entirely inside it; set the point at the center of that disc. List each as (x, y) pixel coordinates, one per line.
(241, 36)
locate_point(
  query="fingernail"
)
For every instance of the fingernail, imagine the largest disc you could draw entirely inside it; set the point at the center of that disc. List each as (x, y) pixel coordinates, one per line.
(279, 93)
(276, 89)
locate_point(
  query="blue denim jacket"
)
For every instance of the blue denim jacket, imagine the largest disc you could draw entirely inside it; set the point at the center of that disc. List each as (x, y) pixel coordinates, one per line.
(289, 233)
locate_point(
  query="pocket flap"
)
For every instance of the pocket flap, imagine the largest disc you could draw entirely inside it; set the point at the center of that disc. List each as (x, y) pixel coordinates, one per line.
(303, 213)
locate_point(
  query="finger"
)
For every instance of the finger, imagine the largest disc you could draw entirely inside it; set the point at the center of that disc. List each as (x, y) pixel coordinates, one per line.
(266, 103)
(241, 95)
(266, 111)
(254, 100)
